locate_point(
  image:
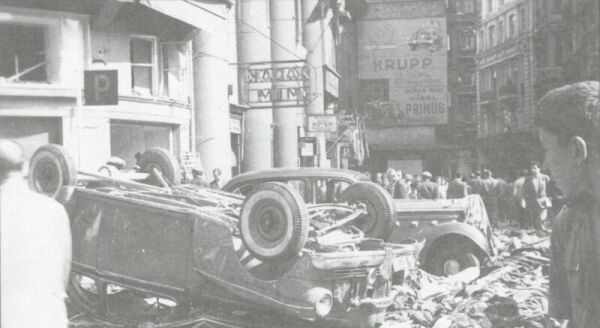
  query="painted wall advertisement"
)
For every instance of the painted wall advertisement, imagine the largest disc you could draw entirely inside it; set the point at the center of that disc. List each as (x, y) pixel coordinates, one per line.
(407, 58)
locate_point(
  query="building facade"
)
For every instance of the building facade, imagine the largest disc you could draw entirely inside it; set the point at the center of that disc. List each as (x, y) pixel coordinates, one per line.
(519, 59)
(145, 84)
(581, 59)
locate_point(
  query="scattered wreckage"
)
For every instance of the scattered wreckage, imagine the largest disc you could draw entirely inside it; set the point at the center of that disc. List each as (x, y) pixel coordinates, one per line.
(147, 255)
(457, 232)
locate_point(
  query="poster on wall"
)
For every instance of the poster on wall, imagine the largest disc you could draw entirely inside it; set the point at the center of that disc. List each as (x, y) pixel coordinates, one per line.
(410, 56)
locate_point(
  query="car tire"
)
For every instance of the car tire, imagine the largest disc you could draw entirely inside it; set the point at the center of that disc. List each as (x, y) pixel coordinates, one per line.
(164, 161)
(379, 221)
(51, 168)
(274, 222)
(449, 258)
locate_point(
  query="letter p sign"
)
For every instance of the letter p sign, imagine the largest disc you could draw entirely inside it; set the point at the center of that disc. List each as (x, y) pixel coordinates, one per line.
(101, 88)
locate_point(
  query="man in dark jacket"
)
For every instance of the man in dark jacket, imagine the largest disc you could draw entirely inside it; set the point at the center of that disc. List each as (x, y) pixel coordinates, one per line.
(428, 189)
(457, 188)
(569, 118)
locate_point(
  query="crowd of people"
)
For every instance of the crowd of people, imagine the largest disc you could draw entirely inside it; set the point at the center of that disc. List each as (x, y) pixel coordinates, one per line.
(526, 199)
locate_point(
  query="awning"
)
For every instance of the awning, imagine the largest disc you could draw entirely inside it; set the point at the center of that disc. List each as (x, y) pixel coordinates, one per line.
(200, 14)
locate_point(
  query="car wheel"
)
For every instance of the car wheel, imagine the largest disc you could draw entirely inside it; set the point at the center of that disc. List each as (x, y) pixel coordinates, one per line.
(379, 221)
(274, 222)
(50, 169)
(162, 160)
(451, 258)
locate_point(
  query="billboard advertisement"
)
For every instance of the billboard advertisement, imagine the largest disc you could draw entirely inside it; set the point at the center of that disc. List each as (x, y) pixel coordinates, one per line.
(403, 71)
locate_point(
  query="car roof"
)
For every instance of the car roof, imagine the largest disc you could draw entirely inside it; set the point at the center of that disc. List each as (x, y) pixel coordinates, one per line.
(296, 172)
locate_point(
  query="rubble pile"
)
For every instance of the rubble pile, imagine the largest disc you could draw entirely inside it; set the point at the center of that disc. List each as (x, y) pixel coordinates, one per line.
(511, 291)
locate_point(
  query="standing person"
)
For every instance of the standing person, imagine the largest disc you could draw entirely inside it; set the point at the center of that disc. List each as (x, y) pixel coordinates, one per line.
(35, 249)
(401, 187)
(569, 121)
(520, 207)
(457, 188)
(428, 189)
(475, 182)
(390, 178)
(379, 178)
(489, 193)
(535, 196)
(503, 194)
(216, 183)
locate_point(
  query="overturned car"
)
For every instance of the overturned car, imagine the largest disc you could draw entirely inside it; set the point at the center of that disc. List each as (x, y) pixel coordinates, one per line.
(148, 255)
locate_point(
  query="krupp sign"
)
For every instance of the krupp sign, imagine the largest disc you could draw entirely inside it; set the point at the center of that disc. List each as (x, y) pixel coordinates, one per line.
(279, 84)
(405, 61)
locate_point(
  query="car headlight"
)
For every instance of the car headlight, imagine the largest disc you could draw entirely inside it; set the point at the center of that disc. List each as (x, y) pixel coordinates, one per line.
(322, 299)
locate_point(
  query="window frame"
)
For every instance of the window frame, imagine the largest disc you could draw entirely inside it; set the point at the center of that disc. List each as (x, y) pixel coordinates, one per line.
(154, 89)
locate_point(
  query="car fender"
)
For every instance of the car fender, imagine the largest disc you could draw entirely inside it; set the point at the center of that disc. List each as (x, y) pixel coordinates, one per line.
(470, 232)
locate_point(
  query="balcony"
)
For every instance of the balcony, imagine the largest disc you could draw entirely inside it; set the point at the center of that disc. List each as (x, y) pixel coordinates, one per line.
(508, 90)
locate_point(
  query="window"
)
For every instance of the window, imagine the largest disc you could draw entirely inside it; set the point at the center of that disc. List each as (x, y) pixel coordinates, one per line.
(500, 31)
(481, 40)
(175, 70)
(489, 6)
(468, 7)
(512, 21)
(522, 19)
(23, 53)
(491, 36)
(143, 65)
(467, 41)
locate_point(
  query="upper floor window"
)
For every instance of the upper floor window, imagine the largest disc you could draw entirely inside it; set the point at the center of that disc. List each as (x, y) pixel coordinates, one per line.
(522, 19)
(489, 6)
(469, 6)
(500, 31)
(23, 53)
(175, 69)
(143, 65)
(491, 36)
(512, 21)
(467, 41)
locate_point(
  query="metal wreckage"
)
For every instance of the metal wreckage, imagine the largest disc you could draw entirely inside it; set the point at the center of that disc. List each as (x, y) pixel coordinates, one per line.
(150, 252)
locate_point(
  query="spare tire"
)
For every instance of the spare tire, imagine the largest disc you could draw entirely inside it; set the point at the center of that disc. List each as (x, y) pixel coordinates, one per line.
(164, 162)
(379, 221)
(51, 168)
(274, 222)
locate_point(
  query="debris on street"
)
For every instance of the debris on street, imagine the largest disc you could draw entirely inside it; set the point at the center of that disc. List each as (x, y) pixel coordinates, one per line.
(511, 291)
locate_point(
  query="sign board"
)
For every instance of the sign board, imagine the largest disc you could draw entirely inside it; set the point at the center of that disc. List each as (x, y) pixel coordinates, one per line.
(307, 146)
(276, 84)
(332, 81)
(322, 123)
(346, 119)
(235, 126)
(101, 88)
(410, 54)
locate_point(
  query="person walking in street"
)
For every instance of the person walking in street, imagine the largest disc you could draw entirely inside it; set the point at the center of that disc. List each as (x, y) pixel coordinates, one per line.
(216, 183)
(390, 180)
(457, 188)
(428, 189)
(535, 196)
(35, 239)
(519, 206)
(401, 188)
(569, 121)
(475, 182)
(489, 193)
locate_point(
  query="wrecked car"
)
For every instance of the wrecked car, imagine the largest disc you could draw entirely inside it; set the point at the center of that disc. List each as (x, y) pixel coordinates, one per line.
(456, 232)
(144, 254)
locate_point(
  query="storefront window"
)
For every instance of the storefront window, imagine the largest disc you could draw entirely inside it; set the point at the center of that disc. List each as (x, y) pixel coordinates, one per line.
(143, 65)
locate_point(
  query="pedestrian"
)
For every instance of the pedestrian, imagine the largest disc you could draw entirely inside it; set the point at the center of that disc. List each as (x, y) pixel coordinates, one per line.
(442, 186)
(504, 195)
(379, 178)
(457, 188)
(536, 198)
(390, 180)
(216, 183)
(519, 205)
(489, 194)
(401, 188)
(475, 182)
(428, 189)
(198, 177)
(35, 249)
(569, 121)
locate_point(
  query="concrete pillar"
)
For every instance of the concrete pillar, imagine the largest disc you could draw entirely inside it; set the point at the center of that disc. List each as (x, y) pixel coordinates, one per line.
(313, 42)
(254, 46)
(211, 103)
(283, 25)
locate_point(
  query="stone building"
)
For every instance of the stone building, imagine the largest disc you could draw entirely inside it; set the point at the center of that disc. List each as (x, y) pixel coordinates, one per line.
(581, 47)
(519, 59)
